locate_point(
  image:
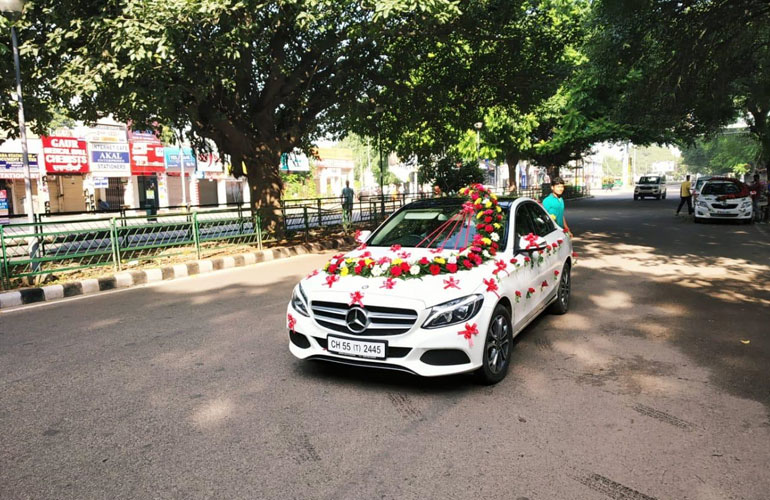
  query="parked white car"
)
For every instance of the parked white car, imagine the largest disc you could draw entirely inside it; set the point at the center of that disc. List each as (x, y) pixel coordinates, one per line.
(443, 319)
(724, 198)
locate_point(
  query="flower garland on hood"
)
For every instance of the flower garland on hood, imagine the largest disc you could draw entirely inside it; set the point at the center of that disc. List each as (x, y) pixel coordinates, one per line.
(481, 208)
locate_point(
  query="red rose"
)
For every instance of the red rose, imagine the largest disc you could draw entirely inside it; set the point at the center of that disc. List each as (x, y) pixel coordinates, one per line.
(499, 217)
(513, 260)
(526, 259)
(518, 293)
(487, 219)
(424, 261)
(488, 211)
(489, 228)
(332, 268)
(358, 269)
(405, 267)
(452, 268)
(395, 271)
(480, 226)
(435, 269)
(531, 290)
(468, 264)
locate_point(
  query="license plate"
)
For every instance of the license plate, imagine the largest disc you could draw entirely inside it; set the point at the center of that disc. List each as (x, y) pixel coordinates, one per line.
(359, 348)
(722, 212)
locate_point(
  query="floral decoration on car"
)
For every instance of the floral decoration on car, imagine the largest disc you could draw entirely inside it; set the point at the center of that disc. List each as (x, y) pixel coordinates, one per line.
(481, 209)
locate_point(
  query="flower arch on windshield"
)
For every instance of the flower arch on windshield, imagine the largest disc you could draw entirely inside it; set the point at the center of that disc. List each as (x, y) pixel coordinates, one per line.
(481, 209)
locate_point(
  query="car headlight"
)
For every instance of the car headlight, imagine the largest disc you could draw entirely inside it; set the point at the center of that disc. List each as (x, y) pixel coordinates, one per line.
(453, 312)
(299, 301)
(701, 204)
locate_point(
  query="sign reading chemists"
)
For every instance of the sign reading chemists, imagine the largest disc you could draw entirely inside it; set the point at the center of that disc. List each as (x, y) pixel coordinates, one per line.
(110, 159)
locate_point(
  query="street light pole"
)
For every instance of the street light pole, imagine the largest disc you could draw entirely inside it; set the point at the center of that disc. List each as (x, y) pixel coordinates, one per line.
(378, 113)
(16, 7)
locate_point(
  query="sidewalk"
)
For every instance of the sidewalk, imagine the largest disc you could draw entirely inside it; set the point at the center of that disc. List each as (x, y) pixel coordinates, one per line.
(128, 279)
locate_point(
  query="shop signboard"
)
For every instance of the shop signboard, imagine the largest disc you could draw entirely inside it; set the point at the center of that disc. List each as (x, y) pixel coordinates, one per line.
(65, 155)
(294, 162)
(173, 164)
(142, 136)
(110, 159)
(146, 158)
(4, 207)
(209, 162)
(11, 165)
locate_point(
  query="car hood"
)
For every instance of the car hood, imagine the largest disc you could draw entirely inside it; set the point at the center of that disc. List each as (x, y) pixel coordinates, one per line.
(424, 292)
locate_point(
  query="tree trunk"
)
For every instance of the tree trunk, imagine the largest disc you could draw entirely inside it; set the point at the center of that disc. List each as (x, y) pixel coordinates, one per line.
(266, 188)
(512, 159)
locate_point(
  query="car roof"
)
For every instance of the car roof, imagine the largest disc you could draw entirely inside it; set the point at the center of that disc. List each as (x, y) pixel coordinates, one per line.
(504, 202)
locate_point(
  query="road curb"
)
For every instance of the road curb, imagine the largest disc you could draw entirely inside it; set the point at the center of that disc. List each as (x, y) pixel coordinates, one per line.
(127, 279)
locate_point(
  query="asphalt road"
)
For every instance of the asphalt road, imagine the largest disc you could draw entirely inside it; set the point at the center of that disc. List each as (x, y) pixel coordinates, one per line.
(655, 385)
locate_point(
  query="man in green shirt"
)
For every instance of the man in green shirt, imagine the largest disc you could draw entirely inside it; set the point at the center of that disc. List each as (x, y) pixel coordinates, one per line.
(554, 203)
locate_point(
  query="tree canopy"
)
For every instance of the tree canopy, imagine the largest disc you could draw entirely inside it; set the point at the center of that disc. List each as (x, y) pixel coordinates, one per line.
(674, 71)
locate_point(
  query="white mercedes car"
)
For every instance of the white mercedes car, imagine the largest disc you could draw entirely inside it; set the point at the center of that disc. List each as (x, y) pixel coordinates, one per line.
(437, 289)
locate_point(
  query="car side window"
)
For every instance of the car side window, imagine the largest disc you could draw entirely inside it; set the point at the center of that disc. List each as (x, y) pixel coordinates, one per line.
(542, 222)
(522, 223)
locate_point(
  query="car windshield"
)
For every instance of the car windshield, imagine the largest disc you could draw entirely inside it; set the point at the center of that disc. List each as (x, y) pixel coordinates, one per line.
(427, 227)
(719, 188)
(649, 180)
(699, 183)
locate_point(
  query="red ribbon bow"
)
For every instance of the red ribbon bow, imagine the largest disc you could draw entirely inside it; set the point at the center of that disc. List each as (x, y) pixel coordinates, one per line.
(451, 283)
(356, 298)
(469, 331)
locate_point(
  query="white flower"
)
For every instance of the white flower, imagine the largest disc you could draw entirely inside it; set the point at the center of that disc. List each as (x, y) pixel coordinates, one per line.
(452, 260)
(376, 271)
(495, 237)
(485, 254)
(414, 270)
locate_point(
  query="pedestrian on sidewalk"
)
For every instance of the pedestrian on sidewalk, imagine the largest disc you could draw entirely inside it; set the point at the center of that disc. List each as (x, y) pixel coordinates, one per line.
(554, 203)
(347, 203)
(685, 196)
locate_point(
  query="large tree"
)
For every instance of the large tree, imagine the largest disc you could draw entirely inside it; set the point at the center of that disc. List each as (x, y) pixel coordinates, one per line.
(673, 71)
(257, 78)
(494, 63)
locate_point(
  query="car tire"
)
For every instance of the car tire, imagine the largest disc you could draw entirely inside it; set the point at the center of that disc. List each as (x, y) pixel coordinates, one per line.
(657, 197)
(498, 345)
(561, 305)
(636, 197)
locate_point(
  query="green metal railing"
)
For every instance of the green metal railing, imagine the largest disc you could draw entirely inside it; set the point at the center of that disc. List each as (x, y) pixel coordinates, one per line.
(41, 248)
(50, 246)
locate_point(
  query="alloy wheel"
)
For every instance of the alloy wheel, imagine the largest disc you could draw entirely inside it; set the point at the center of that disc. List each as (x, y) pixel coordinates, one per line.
(498, 344)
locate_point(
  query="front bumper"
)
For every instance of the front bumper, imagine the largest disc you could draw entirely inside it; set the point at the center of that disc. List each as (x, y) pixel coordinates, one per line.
(419, 351)
(731, 214)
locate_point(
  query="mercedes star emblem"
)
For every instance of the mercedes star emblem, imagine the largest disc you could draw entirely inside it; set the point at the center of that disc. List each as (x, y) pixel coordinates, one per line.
(357, 320)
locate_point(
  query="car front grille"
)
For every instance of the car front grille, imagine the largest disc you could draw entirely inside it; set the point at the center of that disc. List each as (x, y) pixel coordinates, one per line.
(724, 206)
(382, 320)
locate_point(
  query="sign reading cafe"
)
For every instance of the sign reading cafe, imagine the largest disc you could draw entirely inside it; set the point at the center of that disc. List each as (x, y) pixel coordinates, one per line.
(110, 159)
(65, 155)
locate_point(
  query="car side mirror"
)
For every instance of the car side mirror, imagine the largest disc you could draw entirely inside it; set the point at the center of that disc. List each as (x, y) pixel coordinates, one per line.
(530, 243)
(362, 236)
